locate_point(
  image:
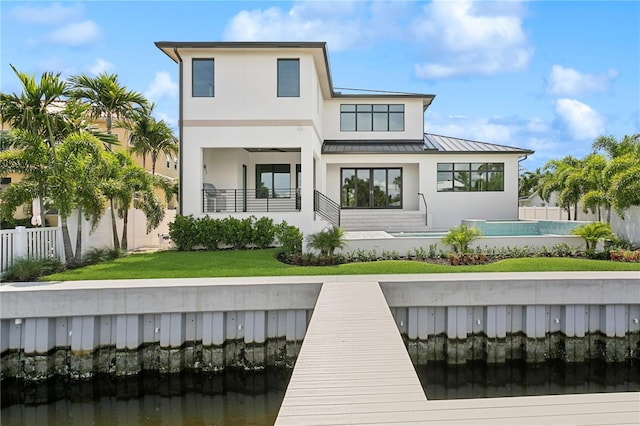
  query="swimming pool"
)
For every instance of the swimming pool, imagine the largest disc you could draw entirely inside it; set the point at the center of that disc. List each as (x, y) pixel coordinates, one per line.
(503, 228)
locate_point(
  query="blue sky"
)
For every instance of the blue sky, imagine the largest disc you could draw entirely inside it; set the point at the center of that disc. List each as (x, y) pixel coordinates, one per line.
(545, 75)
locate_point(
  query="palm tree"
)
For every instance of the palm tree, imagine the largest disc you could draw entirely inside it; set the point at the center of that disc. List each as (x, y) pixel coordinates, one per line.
(528, 183)
(151, 137)
(107, 97)
(597, 195)
(563, 177)
(38, 110)
(126, 181)
(74, 182)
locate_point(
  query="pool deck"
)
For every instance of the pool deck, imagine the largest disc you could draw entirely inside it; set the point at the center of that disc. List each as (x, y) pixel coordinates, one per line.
(330, 385)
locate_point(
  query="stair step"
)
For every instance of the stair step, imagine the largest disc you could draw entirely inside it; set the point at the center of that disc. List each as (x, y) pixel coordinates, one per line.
(382, 221)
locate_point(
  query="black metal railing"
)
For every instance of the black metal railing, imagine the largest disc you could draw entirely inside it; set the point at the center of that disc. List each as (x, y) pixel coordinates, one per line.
(426, 209)
(215, 200)
(328, 209)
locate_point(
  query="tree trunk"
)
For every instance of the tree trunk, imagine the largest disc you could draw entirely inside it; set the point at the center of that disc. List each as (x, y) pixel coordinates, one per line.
(609, 215)
(78, 258)
(114, 228)
(125, 222)
(66, 240)
(575, 211)
(42, 212)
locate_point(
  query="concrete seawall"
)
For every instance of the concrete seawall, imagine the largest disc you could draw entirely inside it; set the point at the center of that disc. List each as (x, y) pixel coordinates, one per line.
(572, 317)
(78, 329)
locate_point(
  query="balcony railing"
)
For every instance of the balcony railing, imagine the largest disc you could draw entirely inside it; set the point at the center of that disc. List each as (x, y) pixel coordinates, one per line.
(250, 200)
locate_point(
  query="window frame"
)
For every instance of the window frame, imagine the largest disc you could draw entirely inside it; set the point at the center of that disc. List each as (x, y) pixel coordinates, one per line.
(271, 190)
(282, 88)
(370, 196)
(212, 92)
(480, 177)
(363, 117)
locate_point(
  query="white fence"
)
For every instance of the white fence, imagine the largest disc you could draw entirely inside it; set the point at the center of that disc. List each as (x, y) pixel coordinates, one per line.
(40, 243)
(627, 227)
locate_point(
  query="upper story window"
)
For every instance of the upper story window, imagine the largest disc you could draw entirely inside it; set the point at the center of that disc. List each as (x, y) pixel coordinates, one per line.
(202, 78)
(470, 177)
(289, 78)
(372, 118)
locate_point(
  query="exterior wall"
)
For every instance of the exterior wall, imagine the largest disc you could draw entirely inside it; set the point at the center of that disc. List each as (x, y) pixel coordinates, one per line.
(246, 86)
(410, 174)
(446, 209)
(413, 119)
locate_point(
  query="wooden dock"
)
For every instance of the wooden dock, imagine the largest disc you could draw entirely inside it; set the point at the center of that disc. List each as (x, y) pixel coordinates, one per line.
(353, 368)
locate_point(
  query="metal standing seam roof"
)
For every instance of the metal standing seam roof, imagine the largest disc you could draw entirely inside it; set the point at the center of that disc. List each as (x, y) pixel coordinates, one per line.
(431, 144)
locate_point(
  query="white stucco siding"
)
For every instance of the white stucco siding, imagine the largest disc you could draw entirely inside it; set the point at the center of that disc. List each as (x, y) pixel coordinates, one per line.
(245, 86)
(413, 119)
(408, 164)
(447, 209)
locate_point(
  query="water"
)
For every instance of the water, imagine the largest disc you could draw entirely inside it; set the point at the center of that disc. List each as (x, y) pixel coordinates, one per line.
(505, 228)
(480, 380)
(233, 398)
(255, 398)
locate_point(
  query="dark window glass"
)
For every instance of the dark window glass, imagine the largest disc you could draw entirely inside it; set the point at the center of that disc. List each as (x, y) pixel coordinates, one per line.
(273, 180)
(203, 77)
(367, 188)
(473, 177)
(288, 78)
(371, 117)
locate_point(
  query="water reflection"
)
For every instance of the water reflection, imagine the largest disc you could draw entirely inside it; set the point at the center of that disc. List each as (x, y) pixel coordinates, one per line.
(480, 380)
(233, 398)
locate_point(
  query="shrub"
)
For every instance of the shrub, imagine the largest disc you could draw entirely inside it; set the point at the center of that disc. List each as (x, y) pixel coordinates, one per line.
(209, 232)
(26, 269)
(327, 241)
(290, 239)
(237, 233)
(264, 232)
(460, 237)
(184, 232)
(98, 255)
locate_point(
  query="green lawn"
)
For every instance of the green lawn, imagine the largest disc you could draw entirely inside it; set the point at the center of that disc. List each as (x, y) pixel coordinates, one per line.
(252, 263)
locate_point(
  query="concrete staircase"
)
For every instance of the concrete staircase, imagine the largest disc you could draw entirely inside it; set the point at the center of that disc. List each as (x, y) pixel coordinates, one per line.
(382, 220)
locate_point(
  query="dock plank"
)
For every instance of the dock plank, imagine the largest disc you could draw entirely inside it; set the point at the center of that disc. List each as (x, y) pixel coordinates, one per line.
(353, 369)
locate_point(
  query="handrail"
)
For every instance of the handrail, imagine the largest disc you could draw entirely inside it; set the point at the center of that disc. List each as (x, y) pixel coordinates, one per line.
(326, 208)
(426, 209)
(230, 200)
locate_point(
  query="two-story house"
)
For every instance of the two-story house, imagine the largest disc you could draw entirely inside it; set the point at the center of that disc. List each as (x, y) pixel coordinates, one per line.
(264, 132)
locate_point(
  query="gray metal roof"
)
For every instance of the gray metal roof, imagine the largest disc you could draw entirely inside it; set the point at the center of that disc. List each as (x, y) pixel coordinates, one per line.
(432, 144)
(372, 146)
(450, 145)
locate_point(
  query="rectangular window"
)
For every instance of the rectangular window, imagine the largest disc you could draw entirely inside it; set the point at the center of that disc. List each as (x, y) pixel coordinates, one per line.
(470, 177)
(371, 188)
(273, 180)
(202, 78)
(372, 118)
(288, 78)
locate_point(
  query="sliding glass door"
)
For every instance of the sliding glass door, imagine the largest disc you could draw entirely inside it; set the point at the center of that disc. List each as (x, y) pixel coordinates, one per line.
(371, 188)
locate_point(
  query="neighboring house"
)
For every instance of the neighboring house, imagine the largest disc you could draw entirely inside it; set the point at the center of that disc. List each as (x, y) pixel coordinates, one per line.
(263, 131)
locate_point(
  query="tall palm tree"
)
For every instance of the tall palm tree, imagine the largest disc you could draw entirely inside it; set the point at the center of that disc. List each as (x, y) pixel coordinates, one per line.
(597, 195)
(149, 136)
(107, 97)
(563, 177)
(38, 110)
(74, 183)
(125, 179)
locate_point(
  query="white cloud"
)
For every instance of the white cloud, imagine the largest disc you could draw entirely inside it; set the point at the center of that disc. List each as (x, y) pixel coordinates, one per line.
(580, 120)
(171, 121)
(480, 129)
(76, 34)
(570, 82)
(470, 39)
(52, 14)
(100, 66)
(162, 85)
(337, 23)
